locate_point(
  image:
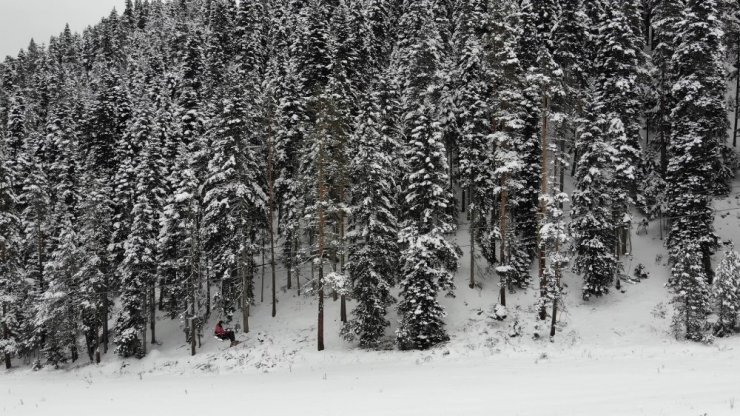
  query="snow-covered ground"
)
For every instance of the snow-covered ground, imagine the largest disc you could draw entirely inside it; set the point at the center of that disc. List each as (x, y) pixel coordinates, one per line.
(611, 356)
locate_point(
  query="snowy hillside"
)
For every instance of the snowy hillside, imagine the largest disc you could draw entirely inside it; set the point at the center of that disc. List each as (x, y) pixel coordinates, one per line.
(612, 356)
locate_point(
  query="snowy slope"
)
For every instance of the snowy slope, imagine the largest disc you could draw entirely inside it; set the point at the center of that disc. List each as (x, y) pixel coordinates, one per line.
(611, 356)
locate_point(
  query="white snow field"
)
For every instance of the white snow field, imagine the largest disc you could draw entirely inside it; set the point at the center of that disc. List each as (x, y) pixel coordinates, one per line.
(611, 356)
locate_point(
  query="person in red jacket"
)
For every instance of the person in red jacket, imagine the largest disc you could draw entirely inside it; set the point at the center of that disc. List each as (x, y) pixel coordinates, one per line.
(225, 334)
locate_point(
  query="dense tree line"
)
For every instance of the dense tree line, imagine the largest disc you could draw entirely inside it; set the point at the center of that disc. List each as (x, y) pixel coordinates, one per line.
(158, 162)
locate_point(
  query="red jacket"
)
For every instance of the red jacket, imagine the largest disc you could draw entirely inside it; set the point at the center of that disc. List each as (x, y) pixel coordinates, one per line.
(220, 331)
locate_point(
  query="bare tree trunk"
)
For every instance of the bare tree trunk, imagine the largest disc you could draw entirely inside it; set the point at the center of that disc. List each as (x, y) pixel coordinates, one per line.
(162, 291)
(737, 95)
(334, 262)
(262, 290)
(270, 220)
(104, 313)
(322, 224)
(707, 263)
(153, 312)
(471, 284)
(6, 336)
(143, 330)
(574, 165)
(193, 281)
(297, 271)
(192, 335)
(543, 206)
(554, 317)
(562, 168)
(343, 299)
(208, 290)
(245, 293)
(557, 168)
(502, 229)
(97, 346)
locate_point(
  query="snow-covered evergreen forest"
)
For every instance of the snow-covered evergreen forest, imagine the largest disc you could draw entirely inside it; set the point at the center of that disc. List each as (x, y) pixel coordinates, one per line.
(197, 160)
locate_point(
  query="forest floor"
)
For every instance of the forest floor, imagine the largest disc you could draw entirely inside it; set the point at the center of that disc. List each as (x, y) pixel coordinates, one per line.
(611, 356)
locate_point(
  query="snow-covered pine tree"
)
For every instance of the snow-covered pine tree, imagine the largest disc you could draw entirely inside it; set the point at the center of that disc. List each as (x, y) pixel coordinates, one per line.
(571, 54)
(12, 286)
(179, 238)
(428, 259)
(553, 240)
(314, 160)
(472, 112)
(534, 51)
(57, 312)
(699, 128)
(617, 70)
(108, 155)
(537, 18)
(667, 16)
(139, 266)
(569, 38)
(379, 17)
(94, 277)
(35, 203)
(220, 43)
(688, 282)
(15, 133)
(251, 36)
(700, 25)
(345, 83)
(373, 257)
(234, 206)
(311, 48)
(351, 41)
(511, 109)
(287, 127)
(591, 224)
(726, 293)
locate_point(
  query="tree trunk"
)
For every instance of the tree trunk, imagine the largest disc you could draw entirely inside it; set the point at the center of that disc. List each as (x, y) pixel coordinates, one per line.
(245, 294)
(557, 170)
(297, 272)
(6, 336)
(561, 160)
(662, 129)
(104, 313)
(262, 290)
(97, 347)
(737, 96)
(472, 248)
(143, 329)
(162, 291)
(192, 307)
(208, 290)
(575, 159)
(543, 206)
(153, 312)
(270, 219)
(192, 336)
(343, 299)
(554, 317)
(707, 262)
(322, 224)
(320, 325)
(505, 277)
